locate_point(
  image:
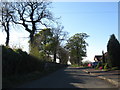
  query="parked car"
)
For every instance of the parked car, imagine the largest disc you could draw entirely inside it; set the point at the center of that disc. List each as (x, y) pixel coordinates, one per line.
(94, 64)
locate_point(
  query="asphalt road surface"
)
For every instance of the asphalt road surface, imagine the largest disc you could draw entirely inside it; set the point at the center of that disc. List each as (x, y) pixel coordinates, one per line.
(68, 78)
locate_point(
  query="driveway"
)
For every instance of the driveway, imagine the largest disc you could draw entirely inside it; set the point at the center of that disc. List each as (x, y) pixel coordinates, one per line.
(69, 77)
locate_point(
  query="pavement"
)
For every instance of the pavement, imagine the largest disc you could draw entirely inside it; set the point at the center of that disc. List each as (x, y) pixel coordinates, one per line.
(110, 76)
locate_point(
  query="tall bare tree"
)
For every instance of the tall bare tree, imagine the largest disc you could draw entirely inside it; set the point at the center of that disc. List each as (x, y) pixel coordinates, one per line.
(5, 13)
(32, 15)
(58, 36)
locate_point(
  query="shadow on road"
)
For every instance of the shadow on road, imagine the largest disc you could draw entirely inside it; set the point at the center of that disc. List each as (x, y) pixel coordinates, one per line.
(63, 78)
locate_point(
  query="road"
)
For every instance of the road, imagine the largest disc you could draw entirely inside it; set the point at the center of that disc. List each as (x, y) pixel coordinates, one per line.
(68, 78)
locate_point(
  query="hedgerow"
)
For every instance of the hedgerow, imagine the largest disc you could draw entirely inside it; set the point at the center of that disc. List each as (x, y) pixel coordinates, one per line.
(19, 62)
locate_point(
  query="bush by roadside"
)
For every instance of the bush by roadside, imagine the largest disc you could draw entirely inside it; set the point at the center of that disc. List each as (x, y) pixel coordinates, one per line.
(18, 62)
(75, 65)
(105, 67)
(19, 67)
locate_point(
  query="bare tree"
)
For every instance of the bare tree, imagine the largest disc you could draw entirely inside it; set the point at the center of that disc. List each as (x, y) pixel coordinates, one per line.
(58, 36)
(32, 15)
(5, 13)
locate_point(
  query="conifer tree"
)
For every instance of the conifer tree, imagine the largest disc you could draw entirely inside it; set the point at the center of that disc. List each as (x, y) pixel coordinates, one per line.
(113, 48)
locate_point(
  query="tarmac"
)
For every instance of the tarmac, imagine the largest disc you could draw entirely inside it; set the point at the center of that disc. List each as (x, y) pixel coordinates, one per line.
(111, 76)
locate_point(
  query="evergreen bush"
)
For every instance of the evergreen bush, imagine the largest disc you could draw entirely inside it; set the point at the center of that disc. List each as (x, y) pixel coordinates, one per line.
(113, 49)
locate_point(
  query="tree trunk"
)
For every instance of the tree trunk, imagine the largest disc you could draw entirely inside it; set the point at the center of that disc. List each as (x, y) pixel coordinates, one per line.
(78, 58)
(60, 61)
(6, 27)
(31, 45)
(7, 39)
(54, 57)
(7, 32)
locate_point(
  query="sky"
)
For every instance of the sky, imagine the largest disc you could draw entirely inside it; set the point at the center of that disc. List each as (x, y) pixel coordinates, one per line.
(97, 19)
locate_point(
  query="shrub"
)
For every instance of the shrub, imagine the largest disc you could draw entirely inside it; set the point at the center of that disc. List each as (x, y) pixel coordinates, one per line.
(18, 62)
(114, 68)
(86, 63)
(100, 67)
(99, 64)
(106, 66)
(9, 61)
(75, 65)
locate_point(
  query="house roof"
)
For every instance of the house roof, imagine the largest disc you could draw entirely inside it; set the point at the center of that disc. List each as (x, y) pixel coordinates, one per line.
(98, 57)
